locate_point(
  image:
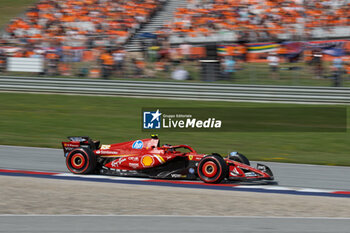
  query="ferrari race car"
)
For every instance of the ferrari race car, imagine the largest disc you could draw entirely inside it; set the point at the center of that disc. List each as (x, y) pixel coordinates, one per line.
(146, 158)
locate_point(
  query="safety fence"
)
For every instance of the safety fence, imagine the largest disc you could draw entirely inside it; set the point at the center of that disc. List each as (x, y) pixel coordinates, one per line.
(178, 90)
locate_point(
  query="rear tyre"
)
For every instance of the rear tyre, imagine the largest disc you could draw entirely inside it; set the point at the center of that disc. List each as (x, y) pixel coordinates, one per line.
(212, 169)
(240, 158)
(81, 161)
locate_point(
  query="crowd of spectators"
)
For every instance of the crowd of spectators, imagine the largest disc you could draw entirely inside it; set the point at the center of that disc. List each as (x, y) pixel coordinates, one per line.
(85, 31)
(263, 17)
(93, 33)
(86, 22)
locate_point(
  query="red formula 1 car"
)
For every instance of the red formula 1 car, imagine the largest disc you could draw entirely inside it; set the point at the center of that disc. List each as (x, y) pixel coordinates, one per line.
(146, 158)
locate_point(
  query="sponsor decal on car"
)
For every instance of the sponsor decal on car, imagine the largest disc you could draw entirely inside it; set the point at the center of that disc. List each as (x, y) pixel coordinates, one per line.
(133, 158)
(137, 144)
(250, 174)
(117, 163)
(235, 171)
(107, 152)
(105, 147)
(147, 161)
(70, 145)
(134, 165)
(176, 175)
(261, 168)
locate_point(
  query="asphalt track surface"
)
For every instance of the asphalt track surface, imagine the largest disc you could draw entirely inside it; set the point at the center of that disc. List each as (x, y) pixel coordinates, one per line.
(287, 175)
(155, 224)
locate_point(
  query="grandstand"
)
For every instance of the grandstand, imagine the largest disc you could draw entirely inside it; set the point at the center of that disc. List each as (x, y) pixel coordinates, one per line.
(77, 23)
(165, 15)
(101, 35)
(259, 20)
(109, 22)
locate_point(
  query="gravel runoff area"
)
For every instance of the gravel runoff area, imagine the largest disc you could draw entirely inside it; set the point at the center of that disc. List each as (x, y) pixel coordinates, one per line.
(23, 195)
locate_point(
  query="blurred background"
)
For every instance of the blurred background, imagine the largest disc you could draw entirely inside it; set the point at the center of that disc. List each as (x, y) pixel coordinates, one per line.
(283, 42)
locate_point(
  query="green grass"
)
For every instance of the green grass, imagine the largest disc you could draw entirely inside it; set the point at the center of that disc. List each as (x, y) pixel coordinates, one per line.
(46, 120)
(10, 9)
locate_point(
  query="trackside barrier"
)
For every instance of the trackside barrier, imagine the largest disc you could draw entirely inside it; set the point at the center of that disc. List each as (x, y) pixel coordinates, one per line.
(179, 90)
(24, 64)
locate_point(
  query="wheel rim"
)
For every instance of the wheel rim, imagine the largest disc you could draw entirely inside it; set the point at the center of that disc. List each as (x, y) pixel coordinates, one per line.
(209, 169)
(77, 161)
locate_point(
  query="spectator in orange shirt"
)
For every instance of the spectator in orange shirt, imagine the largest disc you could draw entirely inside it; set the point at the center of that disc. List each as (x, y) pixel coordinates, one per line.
(52, 59)
(107, 64)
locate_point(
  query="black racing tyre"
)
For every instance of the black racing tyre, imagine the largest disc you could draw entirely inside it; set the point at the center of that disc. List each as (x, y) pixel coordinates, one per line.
(81, 161)
(240, 158)
(212, 169)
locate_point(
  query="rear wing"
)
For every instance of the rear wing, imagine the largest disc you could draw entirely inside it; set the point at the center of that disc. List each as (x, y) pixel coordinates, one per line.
(79, 142)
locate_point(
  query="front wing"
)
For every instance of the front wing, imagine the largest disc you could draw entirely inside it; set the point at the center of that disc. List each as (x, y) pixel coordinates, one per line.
(243, 172)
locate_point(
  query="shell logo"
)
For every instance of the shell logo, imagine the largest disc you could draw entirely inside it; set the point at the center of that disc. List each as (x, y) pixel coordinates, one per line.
(147, 161)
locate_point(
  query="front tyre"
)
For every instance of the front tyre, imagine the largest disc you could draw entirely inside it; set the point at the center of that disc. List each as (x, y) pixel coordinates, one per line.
(81, 161)
(212, 169)
(235, 156)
